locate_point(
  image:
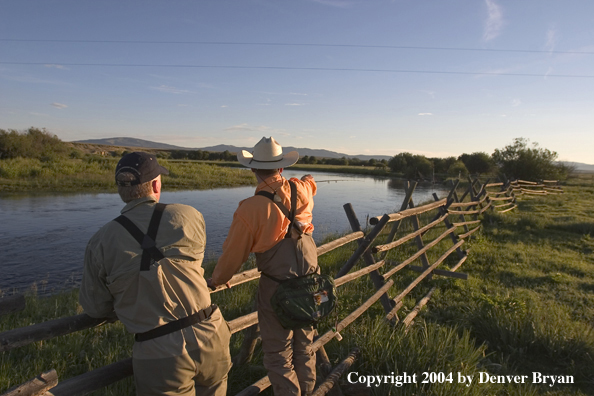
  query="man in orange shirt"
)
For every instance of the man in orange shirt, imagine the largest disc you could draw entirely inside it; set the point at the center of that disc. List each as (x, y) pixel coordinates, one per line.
(282, 252)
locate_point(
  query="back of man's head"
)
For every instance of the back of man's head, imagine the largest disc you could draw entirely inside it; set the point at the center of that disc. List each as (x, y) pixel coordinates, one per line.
(135, 173)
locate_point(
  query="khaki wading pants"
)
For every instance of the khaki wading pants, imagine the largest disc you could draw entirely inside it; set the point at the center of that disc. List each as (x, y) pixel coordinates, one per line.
(201, 371)
(288, 357)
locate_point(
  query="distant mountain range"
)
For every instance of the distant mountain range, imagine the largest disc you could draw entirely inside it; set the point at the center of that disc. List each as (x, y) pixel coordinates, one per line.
(140, 143)
(132, 142)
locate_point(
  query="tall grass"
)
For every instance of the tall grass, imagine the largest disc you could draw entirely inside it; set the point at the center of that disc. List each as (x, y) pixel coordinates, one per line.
(94, 173)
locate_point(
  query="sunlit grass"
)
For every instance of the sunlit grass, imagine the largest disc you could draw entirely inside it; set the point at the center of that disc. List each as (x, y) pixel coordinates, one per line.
(97, 174)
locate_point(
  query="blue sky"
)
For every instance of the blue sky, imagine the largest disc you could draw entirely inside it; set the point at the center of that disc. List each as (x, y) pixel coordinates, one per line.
(437, 78)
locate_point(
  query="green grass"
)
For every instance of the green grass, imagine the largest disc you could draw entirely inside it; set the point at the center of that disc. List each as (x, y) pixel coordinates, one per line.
(95, 174)
(528, 306)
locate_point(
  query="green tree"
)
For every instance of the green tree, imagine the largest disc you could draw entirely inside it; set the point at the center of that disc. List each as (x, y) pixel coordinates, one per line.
(412, 166)
(32, 143)
(530, 162)
(478, 162)
(400, 162)
(457, 169)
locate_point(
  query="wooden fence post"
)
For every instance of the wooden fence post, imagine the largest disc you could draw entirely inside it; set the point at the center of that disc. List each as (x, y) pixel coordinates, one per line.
(37, 386)
(250, 338)
(376, 278)
(453, 236)
(328, 385)
(408, 192)
(454, 195)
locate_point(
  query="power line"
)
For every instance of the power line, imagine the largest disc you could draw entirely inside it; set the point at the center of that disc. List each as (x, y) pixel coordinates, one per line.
(297, 68)
(298, 45)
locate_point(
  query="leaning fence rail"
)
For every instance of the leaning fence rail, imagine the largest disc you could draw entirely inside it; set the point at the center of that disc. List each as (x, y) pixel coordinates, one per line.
(449, 214)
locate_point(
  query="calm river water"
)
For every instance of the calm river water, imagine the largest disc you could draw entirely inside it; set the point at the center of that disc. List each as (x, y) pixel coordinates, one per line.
(43, 238)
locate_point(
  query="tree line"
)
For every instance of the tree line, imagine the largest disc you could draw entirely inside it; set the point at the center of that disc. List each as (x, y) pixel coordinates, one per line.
(521, 159)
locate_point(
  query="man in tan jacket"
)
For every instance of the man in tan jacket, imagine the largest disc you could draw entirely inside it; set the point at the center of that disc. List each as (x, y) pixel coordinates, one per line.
(146, 267)
(259, 226)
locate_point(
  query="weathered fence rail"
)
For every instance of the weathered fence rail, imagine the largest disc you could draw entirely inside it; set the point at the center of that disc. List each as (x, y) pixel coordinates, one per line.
(373, 250)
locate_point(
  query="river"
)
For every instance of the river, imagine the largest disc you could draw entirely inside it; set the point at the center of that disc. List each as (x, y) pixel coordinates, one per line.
(43, 237)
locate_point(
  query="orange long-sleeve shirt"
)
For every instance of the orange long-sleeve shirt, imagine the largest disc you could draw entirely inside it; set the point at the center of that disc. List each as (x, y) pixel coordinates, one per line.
(258, 224)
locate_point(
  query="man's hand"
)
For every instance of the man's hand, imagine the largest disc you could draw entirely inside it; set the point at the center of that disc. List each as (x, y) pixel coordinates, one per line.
(306, 177)
(213, 287)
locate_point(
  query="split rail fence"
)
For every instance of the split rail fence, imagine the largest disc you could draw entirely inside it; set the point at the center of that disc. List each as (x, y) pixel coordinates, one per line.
(456, 217)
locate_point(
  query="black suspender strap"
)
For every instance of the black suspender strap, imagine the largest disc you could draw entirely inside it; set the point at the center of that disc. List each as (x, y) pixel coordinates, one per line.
(176, 325)
(293, 207)
(146, 241)
(268, 195)
(289, 215)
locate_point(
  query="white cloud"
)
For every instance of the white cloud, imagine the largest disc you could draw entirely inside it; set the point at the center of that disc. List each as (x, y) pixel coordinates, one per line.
(294, 104)
(430, 93)
(57, 67)
(425, 114)
(516, 102)
(257, 128)
(494, 21)
(223, 106)
(170, 89)
(334, 3)
(551, 39)
(59, 105)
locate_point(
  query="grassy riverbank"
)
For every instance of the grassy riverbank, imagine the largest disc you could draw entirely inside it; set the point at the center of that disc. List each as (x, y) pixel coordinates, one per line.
(528, 306)
(95, 174)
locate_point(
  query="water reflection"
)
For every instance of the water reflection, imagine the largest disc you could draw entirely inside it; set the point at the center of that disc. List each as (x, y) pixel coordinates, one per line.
(43, 237)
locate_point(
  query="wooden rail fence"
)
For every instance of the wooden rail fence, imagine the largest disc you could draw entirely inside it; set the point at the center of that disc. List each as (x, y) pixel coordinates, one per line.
(445, 218)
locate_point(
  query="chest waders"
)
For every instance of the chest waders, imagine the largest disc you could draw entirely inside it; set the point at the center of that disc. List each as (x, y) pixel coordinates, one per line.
(301, 301)
(151, 251)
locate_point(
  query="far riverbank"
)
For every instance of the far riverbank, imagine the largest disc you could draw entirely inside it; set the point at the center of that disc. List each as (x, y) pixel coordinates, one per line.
(95, 174)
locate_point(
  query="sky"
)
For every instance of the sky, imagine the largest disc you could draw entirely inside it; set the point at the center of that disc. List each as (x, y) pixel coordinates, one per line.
(374, 77)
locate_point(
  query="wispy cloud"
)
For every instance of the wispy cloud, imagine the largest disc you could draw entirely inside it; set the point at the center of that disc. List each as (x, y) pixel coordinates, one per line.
(516, 102)
(430, 93)
(494, 21)
(223, 106)
(295, 104)
(551, 39)
(59, 105)
(57, 67)
(425, 114)
(335, 3)
(170, 89)
(245, 127)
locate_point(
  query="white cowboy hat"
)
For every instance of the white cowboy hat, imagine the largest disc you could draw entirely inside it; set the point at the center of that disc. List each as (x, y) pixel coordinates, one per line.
(267, 154)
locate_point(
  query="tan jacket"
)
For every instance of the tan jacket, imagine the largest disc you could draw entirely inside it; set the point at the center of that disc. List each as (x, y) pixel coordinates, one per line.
(172, 289)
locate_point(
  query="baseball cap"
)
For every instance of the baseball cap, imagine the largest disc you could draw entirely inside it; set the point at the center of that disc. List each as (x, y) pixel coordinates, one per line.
(143, 166)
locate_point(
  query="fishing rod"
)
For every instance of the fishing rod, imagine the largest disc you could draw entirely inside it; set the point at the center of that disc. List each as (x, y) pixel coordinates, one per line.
(334, 180)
